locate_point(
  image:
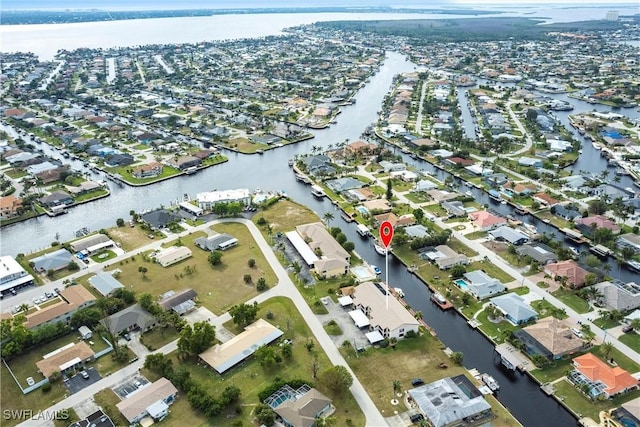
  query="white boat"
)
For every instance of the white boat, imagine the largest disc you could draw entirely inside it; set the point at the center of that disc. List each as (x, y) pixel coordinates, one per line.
(380, 249)
(596, 145)
(317, 191)
(399, 291)
(490, 382)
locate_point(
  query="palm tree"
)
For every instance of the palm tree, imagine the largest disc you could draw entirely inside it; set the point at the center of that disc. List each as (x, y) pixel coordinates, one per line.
(606, 268)
(327, 218)
(635, 324)
(606, 348)
(397, 387)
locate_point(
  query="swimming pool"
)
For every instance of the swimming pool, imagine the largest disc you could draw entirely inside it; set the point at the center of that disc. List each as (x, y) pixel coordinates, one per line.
(362, 273)
(461, 284)
(363, 211)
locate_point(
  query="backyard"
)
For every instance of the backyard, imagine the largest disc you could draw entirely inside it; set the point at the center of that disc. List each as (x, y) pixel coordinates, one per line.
(572, 300)
(587, 407)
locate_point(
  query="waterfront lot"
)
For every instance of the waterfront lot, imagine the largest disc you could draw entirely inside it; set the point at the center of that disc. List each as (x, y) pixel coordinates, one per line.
(285, 215)
(129, 238)
(587, 407)
(218, 287)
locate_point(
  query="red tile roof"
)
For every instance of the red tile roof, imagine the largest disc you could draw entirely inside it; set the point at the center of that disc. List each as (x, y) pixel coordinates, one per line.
(615, 378)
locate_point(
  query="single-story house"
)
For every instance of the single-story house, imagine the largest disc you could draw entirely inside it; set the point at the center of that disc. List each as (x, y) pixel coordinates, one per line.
(514, 308)
(57, 198)
(455, 208)
(343, 184)
(65, 359)
(530, 162)
(222, 357)
(538, 252)
(444, 257)
(618, 295)
(549, 337)
(598, 221)
(602, 378)
(105, 283)
(184, 162)
(133, 317)
(567, 213)
(172, 255)
(509, 235)
(486, 221)
(569, 270)
(56, 260)
(629, 240)
(181, 302)
(416, 231)
(152, 400)
(425, 185)
(160, 218)
(451, 401)
(217, 242)
(301, 407)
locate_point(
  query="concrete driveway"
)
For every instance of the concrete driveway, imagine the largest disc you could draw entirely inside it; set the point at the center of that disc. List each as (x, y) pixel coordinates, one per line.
(130, 385)
(350, 332)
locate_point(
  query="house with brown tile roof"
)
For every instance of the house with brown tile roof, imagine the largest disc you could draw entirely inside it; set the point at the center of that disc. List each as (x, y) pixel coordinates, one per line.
(149, 170)
(389, 216)
(9, 206)
(303, 406)
(604, 379)
(550, 337)
(545, 199)
(65, 358)
(569, 269)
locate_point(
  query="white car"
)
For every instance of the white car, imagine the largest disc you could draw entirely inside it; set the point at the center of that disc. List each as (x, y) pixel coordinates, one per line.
(576, 332)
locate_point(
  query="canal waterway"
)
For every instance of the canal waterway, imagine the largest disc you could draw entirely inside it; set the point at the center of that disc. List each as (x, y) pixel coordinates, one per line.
(270, 172)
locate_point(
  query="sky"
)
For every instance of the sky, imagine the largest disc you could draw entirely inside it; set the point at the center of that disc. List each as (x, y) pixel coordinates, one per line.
(231, 4)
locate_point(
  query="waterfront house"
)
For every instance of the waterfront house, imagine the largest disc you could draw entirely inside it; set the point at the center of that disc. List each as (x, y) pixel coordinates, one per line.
(444, 257)
(343, 184)
(184, 162)
(152, 400)
(454, 208)
(514, 308)
(425, 185)
(149, 170)
(388, 166)
(57, 198)
(545, 200)
(160, 218)
(300, 407)
(539, 252)
(507, 234)
(549, 337)
(568, 213)
(618, 295)
(91, 243)
(331, 259)
(119, 159)
(451, 401)
(385, 314)
(480, 284)
(588, 224)
(54, 261)
(603, 379)
(568, 272)
(10, 206)
(209, 199)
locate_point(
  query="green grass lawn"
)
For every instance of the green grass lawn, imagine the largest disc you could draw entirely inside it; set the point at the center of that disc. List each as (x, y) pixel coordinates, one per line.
(632, 340)
(333, 329)
(107, 400)
(489, 268)
(435, 209)
(587, 407)
(90, 196)
(605, 323)
(571, 300)
(218, 287)
(522, 290)
(476, 235)
(285, 215)
(158, 337)
(545, 309)
(557, 369)
(104, 255)
(417, 197)
(495, 330)
(461, 248)
(123, 171)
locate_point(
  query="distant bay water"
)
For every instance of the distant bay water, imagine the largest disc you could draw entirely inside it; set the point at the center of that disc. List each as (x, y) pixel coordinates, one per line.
(46, 39)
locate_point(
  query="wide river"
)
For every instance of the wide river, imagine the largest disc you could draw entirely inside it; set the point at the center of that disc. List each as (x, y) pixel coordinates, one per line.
(270, 171)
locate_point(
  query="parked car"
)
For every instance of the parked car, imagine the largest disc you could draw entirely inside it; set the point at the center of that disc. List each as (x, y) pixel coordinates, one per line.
(84, 374)
(416, 418)
(576, 332)
(416, 382)
(127, 337)
(627, 328)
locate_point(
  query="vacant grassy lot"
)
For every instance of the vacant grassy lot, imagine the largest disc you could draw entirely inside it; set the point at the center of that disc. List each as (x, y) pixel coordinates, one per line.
(158, 337)
(461, 248)
(285, 215)
(572, 300)
(129, 238)
(218, 287)
(605, 323)
(491, 270)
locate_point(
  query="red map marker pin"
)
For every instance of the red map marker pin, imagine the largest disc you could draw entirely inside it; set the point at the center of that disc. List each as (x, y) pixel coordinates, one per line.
(386, 233)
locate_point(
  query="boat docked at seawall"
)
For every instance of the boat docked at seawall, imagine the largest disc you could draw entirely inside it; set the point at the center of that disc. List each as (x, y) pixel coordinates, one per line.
(381, 250)
(441, 301)
(490, 382)
(318, 192)
(633, 265)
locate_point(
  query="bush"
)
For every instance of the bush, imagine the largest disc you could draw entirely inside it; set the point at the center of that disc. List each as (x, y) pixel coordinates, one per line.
(261, 285)
(247, 278)
(251, 262)
(411, 334)
(46, 388)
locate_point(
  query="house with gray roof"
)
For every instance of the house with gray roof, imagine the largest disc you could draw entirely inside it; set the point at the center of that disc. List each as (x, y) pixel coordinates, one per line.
(425, 185)
(538, 252)
(343, 184)
(181, 302)
(451, 401)
(133, 317)
(217, 242)
(444, 257)
(57, 198)
(568, 213)
(417, 230)
(392, 166)
(530, 162)
(455, 208)
(160, 218)
(618, 295)
(319, 165)
(481, 285)
(509, 235)
(105, 283)
(55, 261)
(514, 308)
